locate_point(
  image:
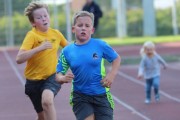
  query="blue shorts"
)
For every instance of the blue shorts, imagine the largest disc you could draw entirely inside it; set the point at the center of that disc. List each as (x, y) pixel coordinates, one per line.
(100, 105)
(34, 90)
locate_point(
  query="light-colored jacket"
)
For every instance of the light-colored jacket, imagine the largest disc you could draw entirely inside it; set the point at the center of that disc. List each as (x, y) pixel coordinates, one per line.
(150, 67)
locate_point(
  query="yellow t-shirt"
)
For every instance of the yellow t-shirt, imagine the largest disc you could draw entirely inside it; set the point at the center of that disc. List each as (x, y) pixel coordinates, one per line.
(42, 64)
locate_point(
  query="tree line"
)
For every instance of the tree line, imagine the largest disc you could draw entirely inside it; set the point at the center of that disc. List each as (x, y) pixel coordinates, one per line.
(107, 26)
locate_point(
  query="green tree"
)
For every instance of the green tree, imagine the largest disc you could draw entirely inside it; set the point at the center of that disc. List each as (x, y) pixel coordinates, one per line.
(164, 22)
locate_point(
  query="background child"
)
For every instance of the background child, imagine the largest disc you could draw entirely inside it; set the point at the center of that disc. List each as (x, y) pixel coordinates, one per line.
(91, 99)
(150, 69)
(39, 49)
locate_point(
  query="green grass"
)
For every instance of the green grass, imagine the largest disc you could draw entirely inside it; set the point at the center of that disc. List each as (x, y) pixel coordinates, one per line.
(136, 60)
(140, 40)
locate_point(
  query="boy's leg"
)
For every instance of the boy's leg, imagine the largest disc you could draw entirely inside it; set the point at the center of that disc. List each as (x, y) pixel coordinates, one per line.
(156, 82)
(82, 107)
(91, 117)
(48, 105)
(103, 107)
(40, 116)
(148, 90)
(49, 90)
(33, 90)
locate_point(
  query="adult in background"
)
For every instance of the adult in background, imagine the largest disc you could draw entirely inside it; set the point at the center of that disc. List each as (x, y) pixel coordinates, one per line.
(93, 7)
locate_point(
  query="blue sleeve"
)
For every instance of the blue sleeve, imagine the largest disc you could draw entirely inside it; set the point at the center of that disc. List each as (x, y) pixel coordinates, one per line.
(108, 53)
(62, 65)
(161, 60)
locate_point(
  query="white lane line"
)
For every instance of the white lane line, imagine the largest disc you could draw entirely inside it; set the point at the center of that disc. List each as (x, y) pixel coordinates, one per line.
(130, 108)
(141, 83)
(14, 67)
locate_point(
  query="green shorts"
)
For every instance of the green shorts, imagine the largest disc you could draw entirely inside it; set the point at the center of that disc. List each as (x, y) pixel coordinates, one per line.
(100, 105)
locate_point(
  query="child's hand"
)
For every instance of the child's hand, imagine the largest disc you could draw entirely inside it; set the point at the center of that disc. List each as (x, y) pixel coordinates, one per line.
(107, 81)
(46, 45)
(67, 78)
(165, 67)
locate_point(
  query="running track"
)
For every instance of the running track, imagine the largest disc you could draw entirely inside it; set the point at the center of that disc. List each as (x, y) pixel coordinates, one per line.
(128, 93)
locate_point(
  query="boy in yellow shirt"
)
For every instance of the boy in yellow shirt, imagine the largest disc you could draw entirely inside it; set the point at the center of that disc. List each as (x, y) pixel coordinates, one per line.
(39, 49)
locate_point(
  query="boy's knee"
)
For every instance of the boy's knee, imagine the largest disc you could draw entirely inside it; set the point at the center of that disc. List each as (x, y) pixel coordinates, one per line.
(47, 99)
(47, 103)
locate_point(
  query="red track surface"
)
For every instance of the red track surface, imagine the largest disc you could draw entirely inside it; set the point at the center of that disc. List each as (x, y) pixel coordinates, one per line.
(127, 90)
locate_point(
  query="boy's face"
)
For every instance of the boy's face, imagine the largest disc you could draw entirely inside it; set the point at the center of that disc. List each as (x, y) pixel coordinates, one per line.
(41, 19)
(83, 28)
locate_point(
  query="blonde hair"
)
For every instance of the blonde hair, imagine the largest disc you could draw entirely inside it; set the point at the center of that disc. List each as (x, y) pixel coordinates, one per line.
(82, 14)
(33, 6)
(147, 44)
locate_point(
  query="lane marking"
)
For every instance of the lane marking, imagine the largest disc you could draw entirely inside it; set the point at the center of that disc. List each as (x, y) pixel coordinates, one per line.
(141, 83)
(120, 102)
(20, 78)
(130, 108)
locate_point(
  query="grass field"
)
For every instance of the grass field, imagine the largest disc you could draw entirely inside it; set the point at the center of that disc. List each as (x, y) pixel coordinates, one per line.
(140, 40)
(135, 60)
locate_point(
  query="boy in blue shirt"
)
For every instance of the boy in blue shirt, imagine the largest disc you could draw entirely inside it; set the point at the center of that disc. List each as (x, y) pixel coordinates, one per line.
(90, 97)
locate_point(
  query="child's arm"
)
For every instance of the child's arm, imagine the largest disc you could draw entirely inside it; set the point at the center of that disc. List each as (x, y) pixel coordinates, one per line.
(62, 76)
(141, 69)
(24, 55)
(162, 61)
(107, 81)
(67, 78)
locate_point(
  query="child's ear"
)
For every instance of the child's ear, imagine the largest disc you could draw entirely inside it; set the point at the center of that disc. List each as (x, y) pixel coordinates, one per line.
(93, 30)
(73, 29)
(33, 24)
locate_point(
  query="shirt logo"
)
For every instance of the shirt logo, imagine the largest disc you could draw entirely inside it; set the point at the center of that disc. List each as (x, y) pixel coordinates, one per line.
(39, 42)
(53, 40)
(95, 56)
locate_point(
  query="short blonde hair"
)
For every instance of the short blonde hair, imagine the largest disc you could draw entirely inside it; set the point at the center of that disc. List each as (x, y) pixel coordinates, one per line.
(147, 44)
(33, 6)
(82, 14)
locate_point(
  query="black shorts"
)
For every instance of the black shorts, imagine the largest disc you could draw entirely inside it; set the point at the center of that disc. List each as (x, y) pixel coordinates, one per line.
(100, 105)
(34, 90)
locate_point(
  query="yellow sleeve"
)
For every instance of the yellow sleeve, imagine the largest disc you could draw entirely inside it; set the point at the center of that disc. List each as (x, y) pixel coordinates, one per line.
(63, 41)
(28, 42)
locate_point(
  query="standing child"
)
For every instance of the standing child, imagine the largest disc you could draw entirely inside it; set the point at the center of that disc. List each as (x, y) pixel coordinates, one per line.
(90, 97)
(150, 69)
(39, 49)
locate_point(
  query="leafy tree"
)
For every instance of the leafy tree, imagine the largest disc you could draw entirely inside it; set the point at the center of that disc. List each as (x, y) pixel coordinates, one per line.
(133, 3)
(20, 5)
(134, 22)
(164, 22)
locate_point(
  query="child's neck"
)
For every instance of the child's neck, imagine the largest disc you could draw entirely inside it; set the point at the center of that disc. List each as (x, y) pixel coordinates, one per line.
(150, 55)
(81, 42)
(41, 30)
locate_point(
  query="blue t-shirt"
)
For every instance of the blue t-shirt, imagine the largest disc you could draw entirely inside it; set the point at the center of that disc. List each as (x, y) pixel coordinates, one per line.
(85, 62)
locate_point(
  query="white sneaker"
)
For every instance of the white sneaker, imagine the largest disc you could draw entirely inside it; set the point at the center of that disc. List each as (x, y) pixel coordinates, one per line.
(147, 101)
